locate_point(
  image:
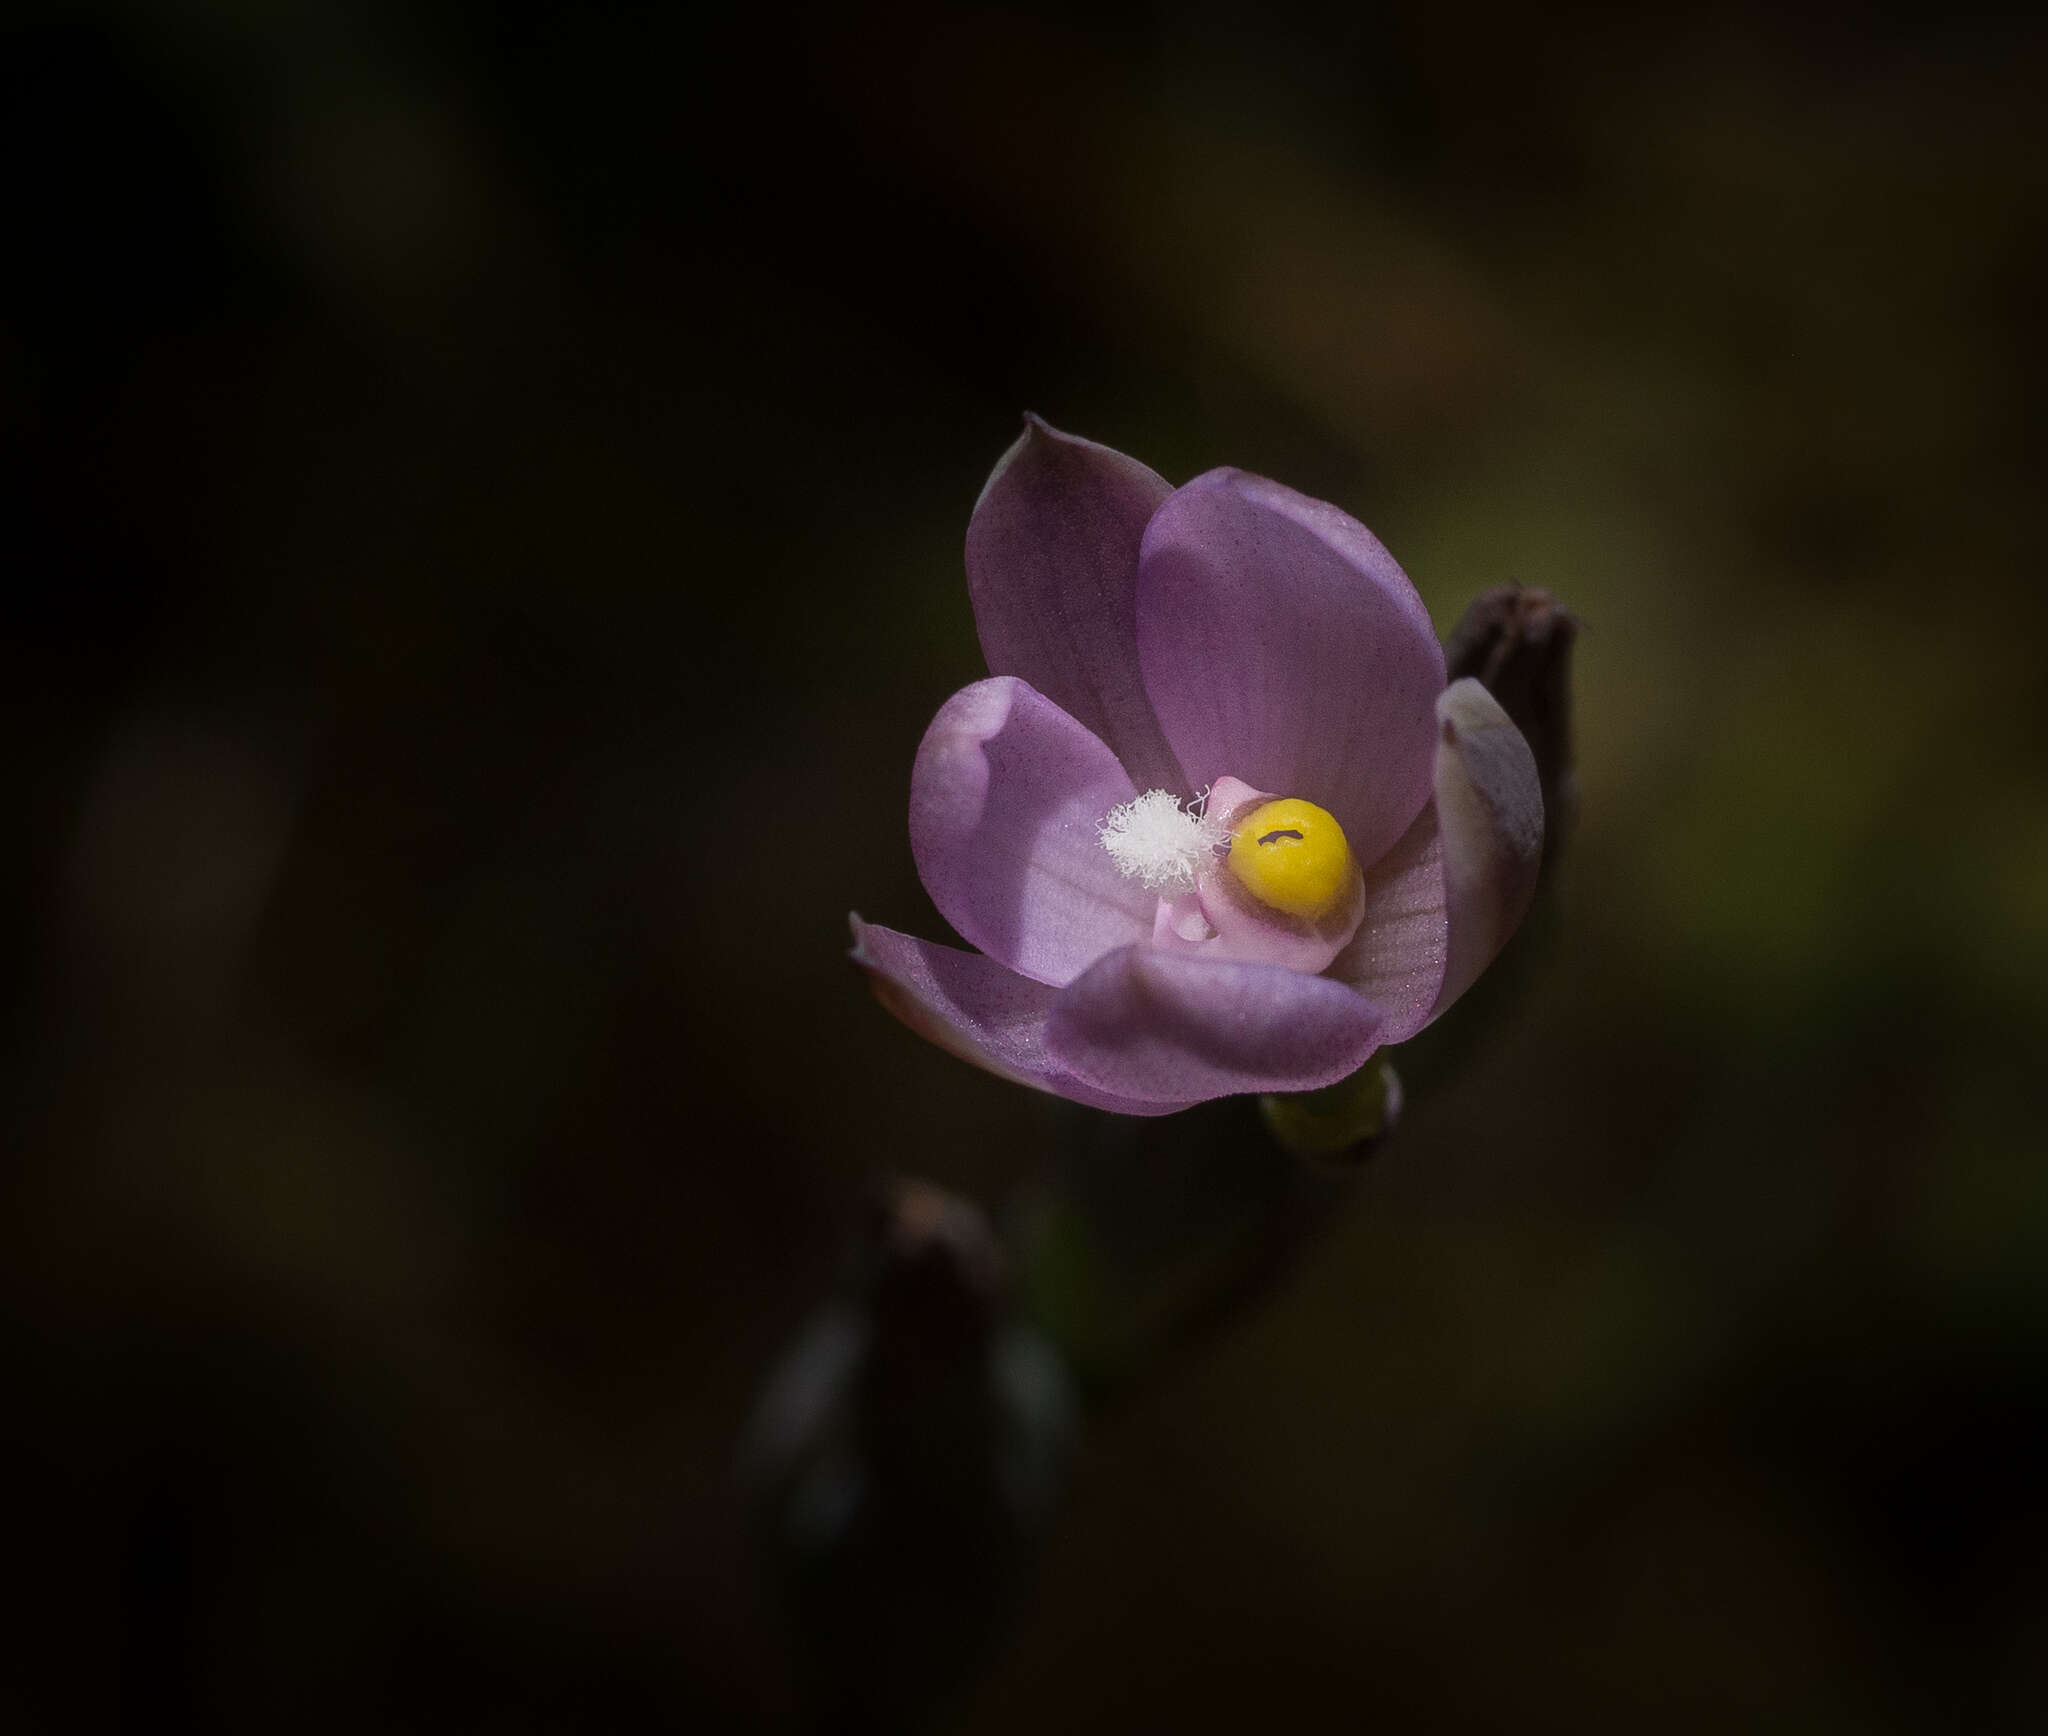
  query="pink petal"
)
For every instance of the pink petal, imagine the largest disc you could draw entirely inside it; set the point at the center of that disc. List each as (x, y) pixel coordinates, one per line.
(1052, 567)
(1396, 960)
(1282, 645)
(1005, 800)
(973, 1008)
(1146, 1023)
(1446, 898)
(1489, 803)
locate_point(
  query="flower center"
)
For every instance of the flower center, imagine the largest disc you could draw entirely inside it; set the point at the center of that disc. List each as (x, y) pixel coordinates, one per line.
(1292, 857)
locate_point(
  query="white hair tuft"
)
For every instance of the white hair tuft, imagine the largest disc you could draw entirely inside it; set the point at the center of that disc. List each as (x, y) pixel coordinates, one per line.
(1158, 843)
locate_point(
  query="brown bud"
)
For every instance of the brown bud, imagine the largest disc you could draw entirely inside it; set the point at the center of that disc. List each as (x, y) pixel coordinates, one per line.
(934, 1277)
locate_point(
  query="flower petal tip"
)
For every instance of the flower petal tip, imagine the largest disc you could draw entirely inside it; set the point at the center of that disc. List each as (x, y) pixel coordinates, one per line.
(1052, 567)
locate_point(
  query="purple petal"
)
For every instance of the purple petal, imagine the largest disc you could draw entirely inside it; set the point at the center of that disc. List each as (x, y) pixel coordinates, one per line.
(1005, 800)
(1282, 645)
(1147, 1023)
(973, 1008)
(1397, 958)
(1489, 804)
(1052, 567)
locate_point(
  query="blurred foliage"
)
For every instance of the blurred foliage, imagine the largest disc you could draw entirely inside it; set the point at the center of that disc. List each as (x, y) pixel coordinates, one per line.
(483, 492)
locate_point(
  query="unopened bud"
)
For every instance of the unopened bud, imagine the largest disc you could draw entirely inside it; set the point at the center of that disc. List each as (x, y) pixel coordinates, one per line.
(904, 1459)
(1342, 1122)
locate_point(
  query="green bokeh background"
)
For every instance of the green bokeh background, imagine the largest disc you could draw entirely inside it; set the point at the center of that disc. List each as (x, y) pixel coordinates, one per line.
(484, 493)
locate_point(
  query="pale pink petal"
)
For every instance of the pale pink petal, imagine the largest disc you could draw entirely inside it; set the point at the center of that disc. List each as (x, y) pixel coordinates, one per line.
(972, 1007)
(1282, 645)
(1147, 1023)
(1052, 567)
(1396, 960)
(1005, 800)
(1489, 804)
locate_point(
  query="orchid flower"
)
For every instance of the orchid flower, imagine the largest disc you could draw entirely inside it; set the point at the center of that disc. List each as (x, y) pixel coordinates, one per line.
(1214, 821)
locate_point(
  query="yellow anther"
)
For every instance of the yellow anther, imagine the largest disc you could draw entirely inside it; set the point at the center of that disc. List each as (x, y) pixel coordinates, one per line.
(1291, 856)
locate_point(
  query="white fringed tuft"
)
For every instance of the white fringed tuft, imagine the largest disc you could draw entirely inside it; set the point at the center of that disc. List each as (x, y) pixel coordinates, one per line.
(1158, 843)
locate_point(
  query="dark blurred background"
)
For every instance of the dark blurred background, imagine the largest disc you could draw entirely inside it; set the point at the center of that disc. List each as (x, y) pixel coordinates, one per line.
(482, 504)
